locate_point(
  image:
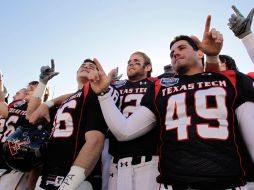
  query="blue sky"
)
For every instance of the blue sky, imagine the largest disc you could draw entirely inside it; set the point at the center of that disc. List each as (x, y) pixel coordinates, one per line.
(33, 32)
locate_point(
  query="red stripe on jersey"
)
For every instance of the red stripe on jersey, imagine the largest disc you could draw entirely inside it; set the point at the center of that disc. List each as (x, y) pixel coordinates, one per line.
(231, 75)
(12, 103)
(251, 75)
(157, 90)
(86, 89)
(152, 79)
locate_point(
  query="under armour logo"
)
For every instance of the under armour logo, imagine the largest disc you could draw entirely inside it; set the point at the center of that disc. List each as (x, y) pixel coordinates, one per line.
(125, 163)
(142, 83)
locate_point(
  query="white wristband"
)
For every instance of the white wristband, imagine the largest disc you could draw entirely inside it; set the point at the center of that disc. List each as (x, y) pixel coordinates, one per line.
(39, 91)
(49, 103)
(74, 178)
(212, 59)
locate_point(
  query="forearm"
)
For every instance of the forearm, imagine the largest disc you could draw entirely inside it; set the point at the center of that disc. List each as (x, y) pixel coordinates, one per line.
(245, 116)
(212, 64)
(90, 153)
(36, 99)
(3, 109)
(59, 100)
(138, 124)
(248, 42)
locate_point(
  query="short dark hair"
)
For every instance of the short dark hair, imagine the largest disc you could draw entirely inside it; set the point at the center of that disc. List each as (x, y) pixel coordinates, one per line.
(88, 60)
(185, 38)
(190, 42)
(229, 61)
(34, 82)
(147, 61)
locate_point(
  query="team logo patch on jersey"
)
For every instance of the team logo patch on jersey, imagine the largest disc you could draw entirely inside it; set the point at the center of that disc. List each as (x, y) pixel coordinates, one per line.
(169, 81)
(119, 83)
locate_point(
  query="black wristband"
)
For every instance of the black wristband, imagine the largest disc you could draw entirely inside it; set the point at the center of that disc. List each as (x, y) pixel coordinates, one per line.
(104, 92)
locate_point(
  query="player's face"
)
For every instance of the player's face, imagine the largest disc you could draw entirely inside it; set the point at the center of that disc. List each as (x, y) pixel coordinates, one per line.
(136, 69)
(183, 57)
(20, 95)
(29, 92)
(83, 71)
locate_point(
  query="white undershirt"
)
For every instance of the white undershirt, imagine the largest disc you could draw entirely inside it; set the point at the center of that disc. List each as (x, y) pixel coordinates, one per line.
(245, 117)
(123, 128)
(248, 42)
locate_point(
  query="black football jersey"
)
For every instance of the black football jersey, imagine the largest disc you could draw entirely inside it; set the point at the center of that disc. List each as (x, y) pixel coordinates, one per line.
(198, 128)
(77, 115)
(129, 95)
(16, 118)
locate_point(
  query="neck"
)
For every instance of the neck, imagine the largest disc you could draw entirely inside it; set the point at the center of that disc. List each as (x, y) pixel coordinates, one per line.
(193, 71)
(81, 85)
(136, 79)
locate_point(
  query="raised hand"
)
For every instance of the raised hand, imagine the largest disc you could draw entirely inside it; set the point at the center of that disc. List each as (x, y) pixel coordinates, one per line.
(238, 24)
(98, 79)
(212, 41)
(48, 73)
(116, 76)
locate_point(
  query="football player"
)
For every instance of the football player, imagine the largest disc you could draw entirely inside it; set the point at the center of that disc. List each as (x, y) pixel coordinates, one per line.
(135, 162)
(77, 138)
(10, 179)
(197, 112)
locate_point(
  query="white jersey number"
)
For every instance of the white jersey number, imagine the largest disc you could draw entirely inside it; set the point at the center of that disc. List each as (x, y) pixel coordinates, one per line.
(63, 121)
(130, 103)
(177, 118)
(10, 128)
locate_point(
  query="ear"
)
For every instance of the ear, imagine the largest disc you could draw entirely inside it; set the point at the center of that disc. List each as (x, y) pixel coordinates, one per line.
(148, 68)
(200, 54)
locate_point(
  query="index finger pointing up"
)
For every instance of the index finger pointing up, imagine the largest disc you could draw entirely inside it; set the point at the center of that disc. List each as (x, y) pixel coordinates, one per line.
(52, 64)
(207, 24)
(237, 12)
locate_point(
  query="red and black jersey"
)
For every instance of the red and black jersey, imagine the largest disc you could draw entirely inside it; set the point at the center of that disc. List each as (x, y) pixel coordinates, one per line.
(198, 128)
(16, 117)
(129, 95)
(77, 115)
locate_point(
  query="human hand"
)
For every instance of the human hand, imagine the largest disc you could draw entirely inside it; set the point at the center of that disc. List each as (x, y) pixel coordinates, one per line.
(48, 73)
(212, 41)
(98, 79)
(238, 24)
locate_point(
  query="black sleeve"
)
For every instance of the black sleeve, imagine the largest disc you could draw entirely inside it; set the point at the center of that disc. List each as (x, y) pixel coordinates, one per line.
(245, 89)
(94, 117)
